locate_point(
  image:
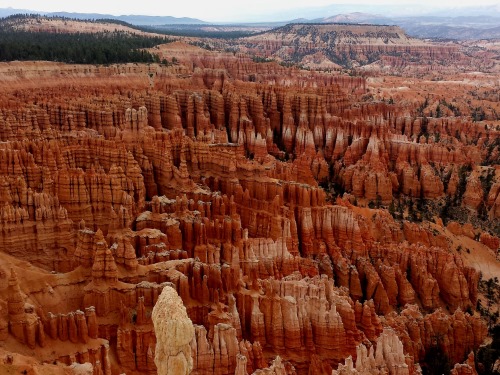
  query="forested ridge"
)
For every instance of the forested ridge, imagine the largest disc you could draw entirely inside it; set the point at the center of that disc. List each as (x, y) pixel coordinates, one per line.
(80, 48)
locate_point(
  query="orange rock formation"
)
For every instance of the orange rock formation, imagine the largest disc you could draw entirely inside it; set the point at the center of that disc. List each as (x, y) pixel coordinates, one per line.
(205, 178)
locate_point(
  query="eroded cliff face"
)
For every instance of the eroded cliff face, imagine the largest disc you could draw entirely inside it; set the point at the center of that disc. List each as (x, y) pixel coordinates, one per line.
(202, 180)
(330, 45)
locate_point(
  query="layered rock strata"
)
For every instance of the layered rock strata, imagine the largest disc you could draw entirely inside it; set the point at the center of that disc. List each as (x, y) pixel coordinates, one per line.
(206, 188)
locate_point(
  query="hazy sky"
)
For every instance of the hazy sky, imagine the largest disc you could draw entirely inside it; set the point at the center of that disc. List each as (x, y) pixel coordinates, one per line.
(219, 10)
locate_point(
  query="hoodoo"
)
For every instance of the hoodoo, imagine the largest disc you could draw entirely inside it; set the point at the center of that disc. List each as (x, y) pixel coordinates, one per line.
(315, 199)
(174, 332)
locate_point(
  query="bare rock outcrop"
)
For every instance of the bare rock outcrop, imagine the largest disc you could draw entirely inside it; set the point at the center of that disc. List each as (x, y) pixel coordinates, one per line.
(281, 211)
(174, 331)
(387, 358)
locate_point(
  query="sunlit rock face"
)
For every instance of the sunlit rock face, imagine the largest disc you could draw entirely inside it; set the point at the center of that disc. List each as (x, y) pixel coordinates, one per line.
(279, 215)
(174, 332)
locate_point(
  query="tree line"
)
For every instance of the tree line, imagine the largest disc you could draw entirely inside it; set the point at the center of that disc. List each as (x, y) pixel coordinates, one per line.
(79, 48)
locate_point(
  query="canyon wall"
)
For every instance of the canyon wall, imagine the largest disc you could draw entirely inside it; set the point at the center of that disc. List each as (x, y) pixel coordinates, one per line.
(214, 180)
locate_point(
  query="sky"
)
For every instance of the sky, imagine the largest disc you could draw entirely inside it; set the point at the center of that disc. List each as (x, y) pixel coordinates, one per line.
(228, 10)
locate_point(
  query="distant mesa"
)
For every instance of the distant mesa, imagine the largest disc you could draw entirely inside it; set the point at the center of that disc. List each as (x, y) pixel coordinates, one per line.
(132, 19)
(457, 23)
(347, 45)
